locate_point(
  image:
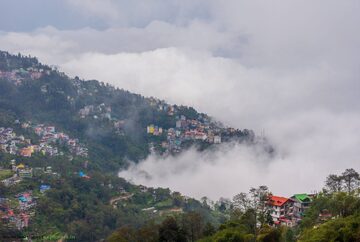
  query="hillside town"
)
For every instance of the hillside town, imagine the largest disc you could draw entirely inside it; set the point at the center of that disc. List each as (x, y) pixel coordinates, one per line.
(15, 144)
(17, 211)
(20, 215)
(171, 140)
(197, 128)
(201, 128)
(17, 76)
(49, 135)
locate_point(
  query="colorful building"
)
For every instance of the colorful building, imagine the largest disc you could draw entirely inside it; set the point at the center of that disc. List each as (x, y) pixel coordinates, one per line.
(281, 210)
(301, 203)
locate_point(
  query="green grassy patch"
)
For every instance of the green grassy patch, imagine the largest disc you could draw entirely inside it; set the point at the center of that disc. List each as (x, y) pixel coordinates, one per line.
(164, 204)
(5, 174)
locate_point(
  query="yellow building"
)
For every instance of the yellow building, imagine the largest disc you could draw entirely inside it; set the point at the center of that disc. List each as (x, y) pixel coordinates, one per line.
(150, 129)
(20, 166)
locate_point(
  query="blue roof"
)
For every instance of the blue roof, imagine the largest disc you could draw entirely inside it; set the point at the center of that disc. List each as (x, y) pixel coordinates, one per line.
(44, 187)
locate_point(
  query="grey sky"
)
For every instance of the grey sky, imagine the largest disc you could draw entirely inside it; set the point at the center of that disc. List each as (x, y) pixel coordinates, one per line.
(19, 15)
(289, 67)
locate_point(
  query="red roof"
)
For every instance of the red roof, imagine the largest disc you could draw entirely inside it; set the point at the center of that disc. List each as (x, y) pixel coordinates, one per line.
(277, 201)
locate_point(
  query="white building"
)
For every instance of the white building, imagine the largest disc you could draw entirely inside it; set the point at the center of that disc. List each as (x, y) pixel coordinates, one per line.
(217, 139)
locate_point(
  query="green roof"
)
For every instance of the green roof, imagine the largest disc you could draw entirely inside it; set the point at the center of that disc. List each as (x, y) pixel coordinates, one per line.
(302, 197)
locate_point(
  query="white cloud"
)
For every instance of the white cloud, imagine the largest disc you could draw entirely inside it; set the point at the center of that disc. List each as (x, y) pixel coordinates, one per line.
(292, 34)
(314, 126)
(311, 146)
(196, 35)
(51, 49)
(241, 96)
(101, 8)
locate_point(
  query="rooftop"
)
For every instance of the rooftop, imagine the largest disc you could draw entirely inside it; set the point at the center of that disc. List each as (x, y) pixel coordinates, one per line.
(277, 201)
(302, 197)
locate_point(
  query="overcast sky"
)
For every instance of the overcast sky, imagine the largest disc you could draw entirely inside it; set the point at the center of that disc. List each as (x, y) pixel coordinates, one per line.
(291, 68)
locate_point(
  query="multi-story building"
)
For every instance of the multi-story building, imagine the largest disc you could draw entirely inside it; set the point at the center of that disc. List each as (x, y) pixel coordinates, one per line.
(301, 203)
(281, 210)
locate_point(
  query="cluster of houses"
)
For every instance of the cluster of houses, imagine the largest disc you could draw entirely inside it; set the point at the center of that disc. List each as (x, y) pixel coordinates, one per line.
(19, 145)
(102, 111)
(289, 211)
(19, 215)
(48, 135)
(21, 171)
(11, 143)
(154, 130)
(99, 111)
(201, 129)
(26, 201)
(16, 211)
(162, 106)
(17, 76)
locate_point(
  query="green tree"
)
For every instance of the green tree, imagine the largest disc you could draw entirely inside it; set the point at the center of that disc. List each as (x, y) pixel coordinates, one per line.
(269, 234)
(124, 234)
(351, 179)
(193, 225)
(209, 229)
(334, 183)
(170, 231)
(340, 229)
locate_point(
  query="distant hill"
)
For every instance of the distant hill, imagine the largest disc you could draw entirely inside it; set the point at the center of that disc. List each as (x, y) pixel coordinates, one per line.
(113, 124)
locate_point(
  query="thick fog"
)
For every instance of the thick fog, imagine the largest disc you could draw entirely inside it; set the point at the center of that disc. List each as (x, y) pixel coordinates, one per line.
(291, 68)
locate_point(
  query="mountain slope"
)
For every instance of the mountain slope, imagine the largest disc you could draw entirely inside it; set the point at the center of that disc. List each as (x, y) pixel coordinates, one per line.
(114, 124)
(63, 141)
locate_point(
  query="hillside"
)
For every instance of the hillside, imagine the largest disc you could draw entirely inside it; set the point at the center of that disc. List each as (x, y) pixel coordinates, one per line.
(63, 141)
(112, 124)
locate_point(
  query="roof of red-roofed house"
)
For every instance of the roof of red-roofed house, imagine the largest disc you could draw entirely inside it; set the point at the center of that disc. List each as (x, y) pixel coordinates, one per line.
(277, 201)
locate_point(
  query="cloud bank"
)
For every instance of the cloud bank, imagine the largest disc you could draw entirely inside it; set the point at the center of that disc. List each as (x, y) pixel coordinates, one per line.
(310, 146)
(290, 68)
